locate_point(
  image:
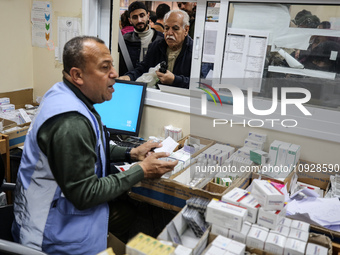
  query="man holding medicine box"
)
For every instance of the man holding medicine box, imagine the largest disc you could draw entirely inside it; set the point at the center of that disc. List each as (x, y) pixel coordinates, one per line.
(64, 196)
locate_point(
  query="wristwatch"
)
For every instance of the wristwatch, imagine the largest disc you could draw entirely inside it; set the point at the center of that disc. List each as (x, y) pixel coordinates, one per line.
(128, 155)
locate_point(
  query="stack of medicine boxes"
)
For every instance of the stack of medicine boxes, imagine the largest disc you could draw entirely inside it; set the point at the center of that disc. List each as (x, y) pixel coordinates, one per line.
(258, 220)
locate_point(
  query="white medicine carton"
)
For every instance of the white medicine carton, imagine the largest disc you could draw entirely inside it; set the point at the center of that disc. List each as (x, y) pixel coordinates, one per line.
(294, 247)
(275, 243)
(248, 201)
(234, 195)
(269, 197)
(226, 214)
(256, 237)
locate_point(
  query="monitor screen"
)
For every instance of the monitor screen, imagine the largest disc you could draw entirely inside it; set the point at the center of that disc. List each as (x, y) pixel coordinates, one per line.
(123, 113)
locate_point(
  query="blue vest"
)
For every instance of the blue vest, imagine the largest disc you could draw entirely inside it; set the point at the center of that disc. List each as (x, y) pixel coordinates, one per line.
(44, 218)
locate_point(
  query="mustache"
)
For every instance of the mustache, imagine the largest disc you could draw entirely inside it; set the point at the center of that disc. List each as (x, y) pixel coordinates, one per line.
(141, 23)
(171, 37)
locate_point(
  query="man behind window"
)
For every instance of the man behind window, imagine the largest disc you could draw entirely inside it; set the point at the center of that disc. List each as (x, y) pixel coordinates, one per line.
(137, 42)
(175, 48)
(190, 8)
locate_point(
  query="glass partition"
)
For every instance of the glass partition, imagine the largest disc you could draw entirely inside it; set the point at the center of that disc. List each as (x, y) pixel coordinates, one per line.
(280, 45)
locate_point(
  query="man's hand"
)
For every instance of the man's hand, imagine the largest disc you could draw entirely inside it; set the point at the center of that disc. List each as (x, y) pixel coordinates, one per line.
(154, 168)
(142, 151)
(166, 78)
(124, 77)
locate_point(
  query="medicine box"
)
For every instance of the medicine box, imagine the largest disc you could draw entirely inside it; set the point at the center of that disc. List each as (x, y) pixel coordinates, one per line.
(298, 234)
(226, 214)
(253, 144)
(269, 197)
(315, 249)
(4, 100)
(218, 230)
(234, 195)
(275, 243)
(300, 225)
(7, 108)
(295, 247)
(248, 201)
(270, 219)
(240, 236)
(256, 238)
(281, 230)
(257, 137)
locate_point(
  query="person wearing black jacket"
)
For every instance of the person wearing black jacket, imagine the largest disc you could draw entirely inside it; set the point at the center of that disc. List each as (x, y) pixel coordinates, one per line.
(175, 48)
(137, 41)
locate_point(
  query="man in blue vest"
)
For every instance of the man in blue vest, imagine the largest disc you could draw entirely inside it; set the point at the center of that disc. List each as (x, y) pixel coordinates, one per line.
(63, 191)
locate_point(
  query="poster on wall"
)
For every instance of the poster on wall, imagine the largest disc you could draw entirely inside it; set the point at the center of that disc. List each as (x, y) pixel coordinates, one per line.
(41, 18)
(68, 27)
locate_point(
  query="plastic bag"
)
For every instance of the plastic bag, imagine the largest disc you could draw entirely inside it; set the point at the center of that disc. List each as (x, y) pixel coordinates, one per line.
(150, 77)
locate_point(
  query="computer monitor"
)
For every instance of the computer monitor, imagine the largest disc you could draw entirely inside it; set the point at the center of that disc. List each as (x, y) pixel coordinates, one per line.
(123, 113)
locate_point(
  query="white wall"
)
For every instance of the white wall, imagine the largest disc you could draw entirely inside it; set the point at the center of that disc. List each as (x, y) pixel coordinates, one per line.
(16, 70)
(46, 70)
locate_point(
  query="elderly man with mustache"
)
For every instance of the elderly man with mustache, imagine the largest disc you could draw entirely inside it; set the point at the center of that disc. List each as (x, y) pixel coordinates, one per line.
(175, 49)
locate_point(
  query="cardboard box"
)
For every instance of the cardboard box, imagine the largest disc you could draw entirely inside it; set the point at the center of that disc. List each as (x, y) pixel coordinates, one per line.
(172, 195)
(17, 137)
(187, 236)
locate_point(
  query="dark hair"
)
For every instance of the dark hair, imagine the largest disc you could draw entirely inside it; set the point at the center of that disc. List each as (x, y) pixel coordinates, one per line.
(325, 25)
(124, 19)
(73, 54)
(153, 16)
(135, 6)
(306, 19)
(161, 10)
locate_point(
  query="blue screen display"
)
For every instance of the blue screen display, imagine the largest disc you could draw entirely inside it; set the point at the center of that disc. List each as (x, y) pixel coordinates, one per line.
(122, 112)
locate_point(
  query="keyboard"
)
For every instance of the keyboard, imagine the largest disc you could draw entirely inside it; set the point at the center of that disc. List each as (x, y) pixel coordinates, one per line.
(124, 143)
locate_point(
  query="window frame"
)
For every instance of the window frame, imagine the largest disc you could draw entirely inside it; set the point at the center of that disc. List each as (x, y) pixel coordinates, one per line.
(324, 124)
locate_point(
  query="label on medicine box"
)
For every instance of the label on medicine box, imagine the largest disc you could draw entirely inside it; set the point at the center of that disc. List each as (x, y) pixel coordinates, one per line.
(218, 230)
(257, 137)
(293, 155)
(281, 230)
(221, 242)
(240, 236)
(315, 249)
(253, 144)
(270, 219)
(269, 197)
(273, 151)
(234, 195)
(294, 246)
(7, 108)
(298, 234)
(250, 202)
(23, 116)
(4, 100)
(275, 243)
(300, 225)
(282, 154)
(226, 214)
(256, 238)
(259, 157)
(243, 152)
